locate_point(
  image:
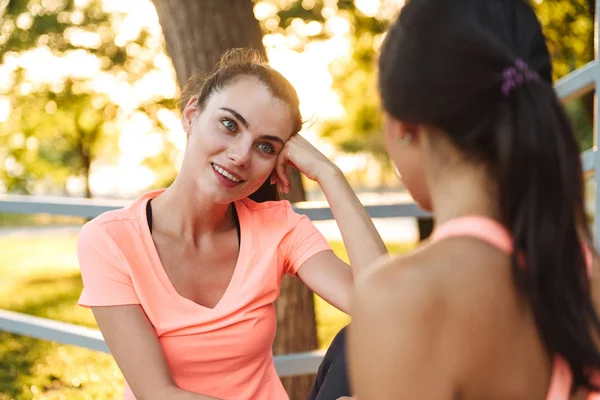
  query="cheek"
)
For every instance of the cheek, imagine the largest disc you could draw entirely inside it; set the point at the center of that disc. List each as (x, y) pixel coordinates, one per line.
(214, 142)
(411, 169)
(208, 138)
(262, 168)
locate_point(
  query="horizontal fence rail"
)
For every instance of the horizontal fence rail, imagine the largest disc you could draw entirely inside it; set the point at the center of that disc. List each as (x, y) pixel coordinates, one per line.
(76, 335)
(587, 160)
(578, 82)
(91, 208)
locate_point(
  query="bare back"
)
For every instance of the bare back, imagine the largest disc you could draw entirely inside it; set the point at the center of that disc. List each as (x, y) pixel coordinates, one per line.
(487, 345)
(507, 355)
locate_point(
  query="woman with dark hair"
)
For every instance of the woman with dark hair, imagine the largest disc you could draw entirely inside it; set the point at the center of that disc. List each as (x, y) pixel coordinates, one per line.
(499, 303)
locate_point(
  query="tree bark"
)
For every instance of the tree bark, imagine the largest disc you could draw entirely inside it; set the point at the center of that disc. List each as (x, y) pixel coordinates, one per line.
(86, 163)
(296, 330)
(197, 33)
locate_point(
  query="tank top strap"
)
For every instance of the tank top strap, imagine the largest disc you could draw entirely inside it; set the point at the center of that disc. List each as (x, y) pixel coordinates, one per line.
(479, 227)
(490, 231)
(561, 380)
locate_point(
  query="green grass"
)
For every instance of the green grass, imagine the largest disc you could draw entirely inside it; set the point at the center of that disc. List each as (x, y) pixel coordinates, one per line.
(15, 220)
(40, 276)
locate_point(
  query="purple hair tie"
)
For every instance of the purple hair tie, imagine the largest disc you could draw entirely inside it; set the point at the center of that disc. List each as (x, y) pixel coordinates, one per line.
(517, 76)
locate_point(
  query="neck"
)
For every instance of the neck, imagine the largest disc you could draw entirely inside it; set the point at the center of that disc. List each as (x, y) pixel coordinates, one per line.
(183, 210)
(463, 190)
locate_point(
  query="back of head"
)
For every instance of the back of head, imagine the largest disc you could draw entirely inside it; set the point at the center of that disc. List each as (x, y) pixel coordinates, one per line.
(448, 63)
(237, 64)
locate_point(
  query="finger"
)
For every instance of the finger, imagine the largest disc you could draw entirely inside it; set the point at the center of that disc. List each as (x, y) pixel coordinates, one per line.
(280, 167)
(273, 179)
(283, 188)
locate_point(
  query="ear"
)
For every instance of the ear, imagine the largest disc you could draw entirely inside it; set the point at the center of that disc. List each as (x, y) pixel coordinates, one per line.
(403, 131)
(408, 131)
(189, 114)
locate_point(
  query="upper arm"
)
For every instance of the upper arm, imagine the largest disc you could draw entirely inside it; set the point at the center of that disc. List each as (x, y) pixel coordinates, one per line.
(307, 253)
(136, 349)
(330, 278)
(109, 291)
(398, 347)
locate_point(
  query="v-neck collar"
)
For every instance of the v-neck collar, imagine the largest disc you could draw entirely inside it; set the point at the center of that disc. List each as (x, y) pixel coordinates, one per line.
(158, 267)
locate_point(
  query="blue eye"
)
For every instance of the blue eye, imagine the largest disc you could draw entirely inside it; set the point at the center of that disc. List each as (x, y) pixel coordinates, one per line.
(266, 147)
(229, 124)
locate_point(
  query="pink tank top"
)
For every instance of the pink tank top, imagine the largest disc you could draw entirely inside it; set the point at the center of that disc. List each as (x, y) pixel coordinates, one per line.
(494, 233)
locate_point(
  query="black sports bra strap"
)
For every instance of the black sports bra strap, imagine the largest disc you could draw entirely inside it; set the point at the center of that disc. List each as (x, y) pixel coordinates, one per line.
(236, 219)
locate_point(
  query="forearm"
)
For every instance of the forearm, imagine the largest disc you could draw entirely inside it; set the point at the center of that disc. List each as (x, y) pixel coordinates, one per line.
(362, 241)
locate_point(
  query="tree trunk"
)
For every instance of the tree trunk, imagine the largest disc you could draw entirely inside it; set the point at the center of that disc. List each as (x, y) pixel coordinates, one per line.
(86, 161)
(296, 330)
(197, 33)
(88, 192)
(84, 145)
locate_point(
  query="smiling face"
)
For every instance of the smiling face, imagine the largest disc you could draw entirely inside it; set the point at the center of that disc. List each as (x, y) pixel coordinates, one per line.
(234, 140)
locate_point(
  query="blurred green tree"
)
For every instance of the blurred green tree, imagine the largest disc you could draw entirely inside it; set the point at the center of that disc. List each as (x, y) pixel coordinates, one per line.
(569, 27)
(363, 25)
(46, 144)
(58, 125)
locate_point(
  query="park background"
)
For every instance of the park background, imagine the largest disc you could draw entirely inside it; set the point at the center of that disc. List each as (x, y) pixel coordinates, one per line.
(88, 94)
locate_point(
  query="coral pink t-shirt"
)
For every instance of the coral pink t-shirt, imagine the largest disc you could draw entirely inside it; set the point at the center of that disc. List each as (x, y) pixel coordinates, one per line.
(223, 352)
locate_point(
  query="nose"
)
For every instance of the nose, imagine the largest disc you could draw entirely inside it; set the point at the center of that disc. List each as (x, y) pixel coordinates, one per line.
(240, 152)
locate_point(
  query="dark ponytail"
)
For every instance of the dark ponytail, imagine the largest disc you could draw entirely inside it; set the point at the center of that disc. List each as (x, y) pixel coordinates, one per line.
(442, 63)
(541, 188)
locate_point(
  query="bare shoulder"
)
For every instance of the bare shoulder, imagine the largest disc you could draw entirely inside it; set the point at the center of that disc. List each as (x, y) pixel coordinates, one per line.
(445, 283)
(397, 286)
(402, 324)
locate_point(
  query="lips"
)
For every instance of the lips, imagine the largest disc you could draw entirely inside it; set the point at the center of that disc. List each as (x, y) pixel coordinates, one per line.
(233, 177)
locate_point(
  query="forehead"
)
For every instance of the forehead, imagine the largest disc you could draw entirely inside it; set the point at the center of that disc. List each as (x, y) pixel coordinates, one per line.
(252, 99)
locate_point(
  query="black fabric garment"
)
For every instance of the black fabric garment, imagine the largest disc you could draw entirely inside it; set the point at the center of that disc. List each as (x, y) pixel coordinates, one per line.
(332, 378)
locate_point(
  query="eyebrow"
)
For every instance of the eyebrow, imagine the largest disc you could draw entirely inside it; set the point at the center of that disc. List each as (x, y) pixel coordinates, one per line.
(247, 125)
(237, 116)
(273, 138)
